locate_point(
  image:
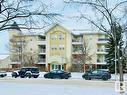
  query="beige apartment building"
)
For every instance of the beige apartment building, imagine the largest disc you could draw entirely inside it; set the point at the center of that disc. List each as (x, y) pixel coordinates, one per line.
(58, 48)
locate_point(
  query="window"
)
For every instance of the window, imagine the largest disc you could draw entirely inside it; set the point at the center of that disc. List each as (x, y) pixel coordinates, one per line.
(54, 47)
(94, 72)
(53, 36)
(53, 66)
(61, 47)
(61, 37)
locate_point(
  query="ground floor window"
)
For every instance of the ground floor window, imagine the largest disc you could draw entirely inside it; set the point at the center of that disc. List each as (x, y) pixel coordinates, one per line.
(101, 66)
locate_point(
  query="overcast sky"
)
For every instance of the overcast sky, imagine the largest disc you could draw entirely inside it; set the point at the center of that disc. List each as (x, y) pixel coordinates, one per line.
(67, 11)
(56, 6)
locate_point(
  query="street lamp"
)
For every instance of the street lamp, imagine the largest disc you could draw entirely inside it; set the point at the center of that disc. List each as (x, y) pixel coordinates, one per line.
(115, 64)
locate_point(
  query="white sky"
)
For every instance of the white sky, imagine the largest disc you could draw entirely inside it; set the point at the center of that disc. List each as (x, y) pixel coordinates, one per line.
(67, 11)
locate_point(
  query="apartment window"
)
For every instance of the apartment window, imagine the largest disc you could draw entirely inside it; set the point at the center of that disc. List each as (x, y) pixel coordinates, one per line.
(61, 37)
(61, 47)
(53, 36)
(54, 48)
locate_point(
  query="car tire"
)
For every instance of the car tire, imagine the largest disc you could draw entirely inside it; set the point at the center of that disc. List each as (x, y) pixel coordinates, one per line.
(66, 77)
(15, 75)
(2, 76)
(28, 75)
(104, 78)
(22, 76)
(35, 76)
(87, 78)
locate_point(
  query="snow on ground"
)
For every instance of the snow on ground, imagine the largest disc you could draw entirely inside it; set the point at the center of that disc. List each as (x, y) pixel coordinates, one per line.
(40, 86)
(77, 75)
(52, 89)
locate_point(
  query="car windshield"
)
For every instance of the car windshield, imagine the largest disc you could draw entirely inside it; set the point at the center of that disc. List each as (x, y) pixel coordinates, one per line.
(60, 71)
(54, 71)
(94, 72)
(35, 69)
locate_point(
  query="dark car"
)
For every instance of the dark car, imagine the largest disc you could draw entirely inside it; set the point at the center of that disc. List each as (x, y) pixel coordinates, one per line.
(97, 74)
(2, 74)
(26, 72)
(59, 74)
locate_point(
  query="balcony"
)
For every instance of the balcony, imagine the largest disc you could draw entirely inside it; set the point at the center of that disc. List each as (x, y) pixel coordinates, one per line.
(101, 51)
(42, 61)
(77, 52)
(101, 62)
(42, 51)
(102, 41)
(77, 41)
(19, 43)
(42, 42)
(15, 62)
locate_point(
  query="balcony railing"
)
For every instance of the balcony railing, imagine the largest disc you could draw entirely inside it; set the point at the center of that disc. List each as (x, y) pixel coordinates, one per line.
(77, 52)
(42, 42)
(42, 51)
(42, 61)
(75, 41)
(101, 61)
(101, 51)
(102, 40)
(15, 62)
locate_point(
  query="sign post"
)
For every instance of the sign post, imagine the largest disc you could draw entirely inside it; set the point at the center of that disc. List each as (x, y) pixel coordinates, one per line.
(120, 86)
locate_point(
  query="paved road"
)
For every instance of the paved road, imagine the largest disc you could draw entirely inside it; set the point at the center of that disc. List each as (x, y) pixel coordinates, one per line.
(41, 86)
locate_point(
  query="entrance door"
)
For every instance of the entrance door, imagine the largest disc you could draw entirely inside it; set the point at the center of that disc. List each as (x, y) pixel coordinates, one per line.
(57, 67)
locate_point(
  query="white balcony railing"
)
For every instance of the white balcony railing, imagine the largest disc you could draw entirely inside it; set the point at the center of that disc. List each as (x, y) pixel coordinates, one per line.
(15, 62)
(42, 51)
(42, 42)
(42, 61)
(77, 41)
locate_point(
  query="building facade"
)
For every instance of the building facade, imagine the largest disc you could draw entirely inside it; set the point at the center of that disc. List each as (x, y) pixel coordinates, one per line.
(4, 62)
(58, 48)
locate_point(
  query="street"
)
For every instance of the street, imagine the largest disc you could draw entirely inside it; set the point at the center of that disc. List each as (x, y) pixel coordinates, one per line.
(41, 86)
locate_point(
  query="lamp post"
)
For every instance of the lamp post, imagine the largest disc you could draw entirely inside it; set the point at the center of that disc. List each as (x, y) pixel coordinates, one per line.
(115, 63)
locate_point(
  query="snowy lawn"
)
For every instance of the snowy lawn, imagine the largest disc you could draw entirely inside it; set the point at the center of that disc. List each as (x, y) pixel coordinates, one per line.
(77, 75)
(7, 88)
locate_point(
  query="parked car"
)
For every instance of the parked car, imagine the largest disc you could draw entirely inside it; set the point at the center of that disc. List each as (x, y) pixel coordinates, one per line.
(3, 74)
(26, 72)
(57, 74)
(97, 74)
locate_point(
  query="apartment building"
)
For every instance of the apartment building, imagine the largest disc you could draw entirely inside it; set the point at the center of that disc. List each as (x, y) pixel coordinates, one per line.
(57, 48)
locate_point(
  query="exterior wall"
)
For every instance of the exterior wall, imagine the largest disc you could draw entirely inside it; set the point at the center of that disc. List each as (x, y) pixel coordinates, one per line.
(31, 44)
(97, 45)
(58, 47)
(27, 43)
(55, 49)
(5, 63)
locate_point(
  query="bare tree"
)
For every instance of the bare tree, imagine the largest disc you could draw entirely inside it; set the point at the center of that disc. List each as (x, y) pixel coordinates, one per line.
(16, 48)
(30, 58)
(25, 13)
(106, 18)
(82, 57)
(18, 53)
